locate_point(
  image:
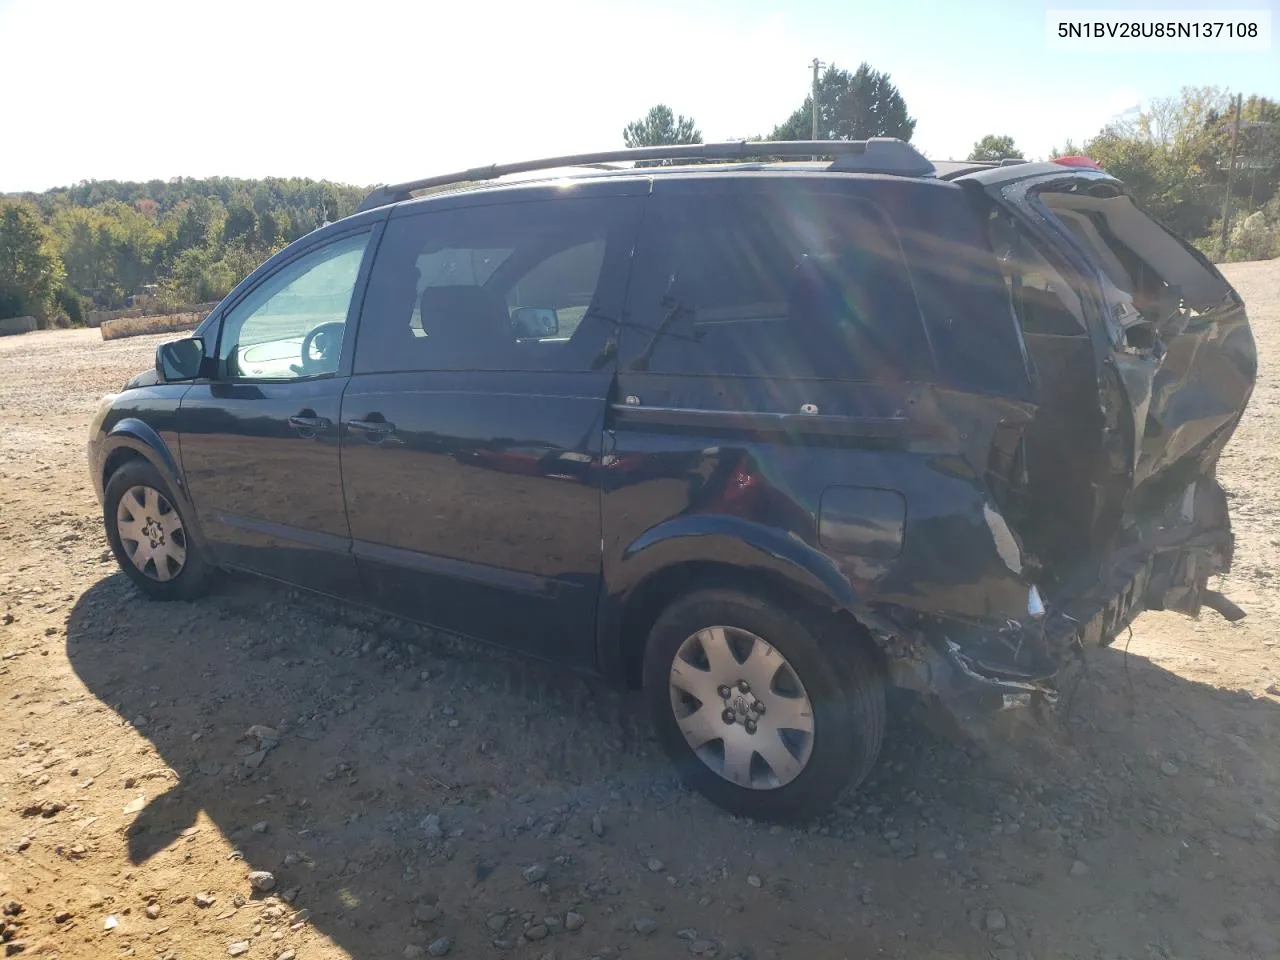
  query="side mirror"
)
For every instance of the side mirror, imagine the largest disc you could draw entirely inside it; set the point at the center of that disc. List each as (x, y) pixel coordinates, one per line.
(179, 360)
(534, 323)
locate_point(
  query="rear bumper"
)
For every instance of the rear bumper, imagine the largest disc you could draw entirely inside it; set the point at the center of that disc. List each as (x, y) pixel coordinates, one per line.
(1170, 579)
(1165, 564)
(1162, 562)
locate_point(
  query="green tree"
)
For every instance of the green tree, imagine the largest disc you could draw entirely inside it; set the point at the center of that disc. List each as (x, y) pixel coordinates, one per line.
(30, 271)
(136, 245)
(660, 126)
(196, 277)
(196, 222)
(851, 106)
(83, 240)
(268, 228)
(1257, 150)
(1173, 156)
(242, 220)
(197, 238)
(993, 148)
(1068, 149)
(110, 251)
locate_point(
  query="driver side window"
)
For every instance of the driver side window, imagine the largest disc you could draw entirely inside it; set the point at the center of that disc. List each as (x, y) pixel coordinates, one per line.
(292, 324)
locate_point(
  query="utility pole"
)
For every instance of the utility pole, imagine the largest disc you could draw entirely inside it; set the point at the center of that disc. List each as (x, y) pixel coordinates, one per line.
(1231, 175)
(817, 65)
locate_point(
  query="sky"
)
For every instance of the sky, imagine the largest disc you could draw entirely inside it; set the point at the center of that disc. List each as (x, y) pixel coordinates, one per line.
(369, 91)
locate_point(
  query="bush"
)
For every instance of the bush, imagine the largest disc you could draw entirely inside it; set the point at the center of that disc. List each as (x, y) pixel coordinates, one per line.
(1209, 246)
(12, 304)
(1253, 238)
(71, 305)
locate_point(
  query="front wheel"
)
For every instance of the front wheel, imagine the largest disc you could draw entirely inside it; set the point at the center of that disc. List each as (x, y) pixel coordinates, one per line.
(759, 713)
(148, 535)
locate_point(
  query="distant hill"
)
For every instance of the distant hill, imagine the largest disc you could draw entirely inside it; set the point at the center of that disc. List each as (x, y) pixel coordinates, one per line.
(105, 243)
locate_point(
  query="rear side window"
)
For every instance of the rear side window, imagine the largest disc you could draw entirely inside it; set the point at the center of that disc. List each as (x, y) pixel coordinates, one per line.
(771, 284)
(531, 286)
(1044, 298)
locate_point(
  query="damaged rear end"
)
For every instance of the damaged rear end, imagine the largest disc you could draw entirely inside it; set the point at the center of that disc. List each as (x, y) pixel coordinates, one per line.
(1101, 494)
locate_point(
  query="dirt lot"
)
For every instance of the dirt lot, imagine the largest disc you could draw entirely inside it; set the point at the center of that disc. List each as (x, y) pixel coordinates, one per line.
(420, 796)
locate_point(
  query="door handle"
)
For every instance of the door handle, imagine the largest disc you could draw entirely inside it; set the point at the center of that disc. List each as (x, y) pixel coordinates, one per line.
(314, 424)
(373, 429)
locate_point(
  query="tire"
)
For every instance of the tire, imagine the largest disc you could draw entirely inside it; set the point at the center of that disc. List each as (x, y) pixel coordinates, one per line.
(151, 526)
(840, 682)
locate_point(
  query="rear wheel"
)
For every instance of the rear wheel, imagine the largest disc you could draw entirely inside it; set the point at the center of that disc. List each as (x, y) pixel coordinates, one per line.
(760, 713)
(148, 535)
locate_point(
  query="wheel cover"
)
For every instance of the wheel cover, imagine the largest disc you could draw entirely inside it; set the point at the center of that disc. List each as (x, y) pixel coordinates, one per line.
(741, 707)
(151, 533)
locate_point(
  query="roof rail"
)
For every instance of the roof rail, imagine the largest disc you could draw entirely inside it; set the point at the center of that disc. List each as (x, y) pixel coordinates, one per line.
(876, 155)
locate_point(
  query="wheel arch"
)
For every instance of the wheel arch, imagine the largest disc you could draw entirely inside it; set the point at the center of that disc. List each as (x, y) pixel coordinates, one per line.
(132, 439)
(116, 459)
(762, 561)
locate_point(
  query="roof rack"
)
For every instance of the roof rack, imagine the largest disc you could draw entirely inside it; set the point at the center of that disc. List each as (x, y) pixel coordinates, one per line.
(876, 155)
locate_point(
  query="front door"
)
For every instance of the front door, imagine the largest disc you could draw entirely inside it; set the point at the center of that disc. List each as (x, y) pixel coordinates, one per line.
(472, 427)
(259, 439)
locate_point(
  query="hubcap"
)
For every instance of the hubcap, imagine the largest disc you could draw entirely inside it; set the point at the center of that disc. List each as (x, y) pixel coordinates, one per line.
(741, 708)
(151, 533)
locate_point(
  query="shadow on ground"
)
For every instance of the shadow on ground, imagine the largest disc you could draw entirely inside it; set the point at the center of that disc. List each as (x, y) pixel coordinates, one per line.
(1150, 786)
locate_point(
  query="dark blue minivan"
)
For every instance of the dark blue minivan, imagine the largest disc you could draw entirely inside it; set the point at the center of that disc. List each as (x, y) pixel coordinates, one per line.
(763, 437)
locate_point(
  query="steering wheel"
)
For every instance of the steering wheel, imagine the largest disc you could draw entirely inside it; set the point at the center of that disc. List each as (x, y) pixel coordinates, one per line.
(326, 340)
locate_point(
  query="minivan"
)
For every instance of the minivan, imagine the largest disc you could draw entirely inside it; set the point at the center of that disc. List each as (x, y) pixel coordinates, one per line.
(762, 435)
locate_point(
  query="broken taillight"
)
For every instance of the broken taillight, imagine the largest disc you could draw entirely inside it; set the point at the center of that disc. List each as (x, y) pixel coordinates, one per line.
(1077, 160)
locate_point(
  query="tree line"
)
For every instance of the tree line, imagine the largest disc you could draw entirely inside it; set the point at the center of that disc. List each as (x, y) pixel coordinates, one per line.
(1175, 158)
(108, 243)
(851, 106)
(1174, 154)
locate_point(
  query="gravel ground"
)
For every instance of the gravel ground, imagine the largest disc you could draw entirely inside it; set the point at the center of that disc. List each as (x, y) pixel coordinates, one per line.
(268, 775)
